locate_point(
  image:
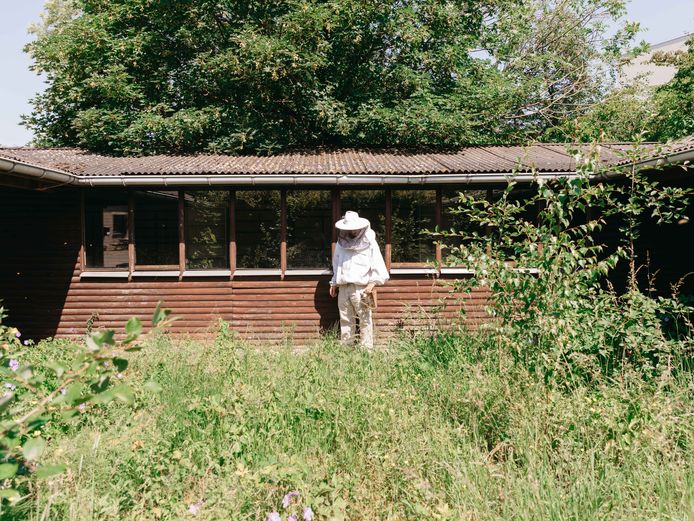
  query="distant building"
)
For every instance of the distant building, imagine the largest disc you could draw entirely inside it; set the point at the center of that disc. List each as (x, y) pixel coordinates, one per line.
(655, 75)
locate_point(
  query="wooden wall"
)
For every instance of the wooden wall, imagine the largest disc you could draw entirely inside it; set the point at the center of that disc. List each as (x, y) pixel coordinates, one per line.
(40, 286)
(40, 234)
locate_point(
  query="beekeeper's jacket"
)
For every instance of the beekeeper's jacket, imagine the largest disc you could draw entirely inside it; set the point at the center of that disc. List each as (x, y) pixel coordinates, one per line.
(359, 267)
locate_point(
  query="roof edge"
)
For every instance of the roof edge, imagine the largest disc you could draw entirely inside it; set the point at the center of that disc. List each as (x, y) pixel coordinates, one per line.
(15, 167)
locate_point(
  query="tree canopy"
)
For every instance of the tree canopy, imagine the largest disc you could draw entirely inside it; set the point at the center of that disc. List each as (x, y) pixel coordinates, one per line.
(152, 76)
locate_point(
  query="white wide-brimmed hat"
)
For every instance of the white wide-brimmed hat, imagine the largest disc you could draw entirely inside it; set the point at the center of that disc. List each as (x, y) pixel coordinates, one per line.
(352, 221)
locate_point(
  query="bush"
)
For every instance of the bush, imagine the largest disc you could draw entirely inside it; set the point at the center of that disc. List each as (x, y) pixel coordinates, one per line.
(550, 297)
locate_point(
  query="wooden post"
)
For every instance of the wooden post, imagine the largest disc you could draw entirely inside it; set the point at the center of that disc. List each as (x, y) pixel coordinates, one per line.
(232, 232)
(283, 232)
(181, 233)
(335, 192)
(131, 235)
(83, 230)
(439, 221)
(389, 226)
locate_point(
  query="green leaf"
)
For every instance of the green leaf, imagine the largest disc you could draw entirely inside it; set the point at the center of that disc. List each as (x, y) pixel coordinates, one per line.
(124, 394)
(96, 341)
(5, 401)
(9, 493)
(33, 448)
(159, 314)
(49, 471)
(8, 470)
(121, 364)
(133, 328)
(153, 386)
(72, 393)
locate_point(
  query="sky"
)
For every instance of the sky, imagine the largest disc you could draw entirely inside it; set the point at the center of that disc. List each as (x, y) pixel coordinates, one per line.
(662, 19)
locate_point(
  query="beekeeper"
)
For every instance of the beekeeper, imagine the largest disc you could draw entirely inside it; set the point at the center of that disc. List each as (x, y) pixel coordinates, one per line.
(358, 267)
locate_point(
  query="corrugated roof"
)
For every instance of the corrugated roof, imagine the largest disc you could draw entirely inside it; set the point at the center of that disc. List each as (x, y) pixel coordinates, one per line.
(466, 160)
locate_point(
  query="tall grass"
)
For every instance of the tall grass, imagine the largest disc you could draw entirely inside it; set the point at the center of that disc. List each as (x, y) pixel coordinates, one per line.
(444, 427)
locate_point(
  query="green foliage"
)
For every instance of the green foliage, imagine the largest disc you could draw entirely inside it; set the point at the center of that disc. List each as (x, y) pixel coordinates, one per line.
(625, 114)
(675, 101)
(445, 427)
(140, 76)
(43, 396)
(547, 276)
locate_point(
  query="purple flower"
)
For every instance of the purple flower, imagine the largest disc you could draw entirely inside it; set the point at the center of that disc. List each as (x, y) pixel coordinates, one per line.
(308, 514)
(10, 386)
(14, 364)
(18, 334)
(288, 498)
(194, 509)
(26, 342)
(293, 518)
(274, 516)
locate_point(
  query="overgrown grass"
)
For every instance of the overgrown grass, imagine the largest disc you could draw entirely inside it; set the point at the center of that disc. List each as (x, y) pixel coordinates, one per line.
(444, 427)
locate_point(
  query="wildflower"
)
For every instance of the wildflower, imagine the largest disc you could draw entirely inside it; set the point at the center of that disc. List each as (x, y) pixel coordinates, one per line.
(194, 509)
(293, 518)
(308, 514)
(14, 364)
(18, 334)
(63, 391)
(119, 376)
(10, 386)
(82, 407)
(274, 516)
(26, 342)
(288, 498)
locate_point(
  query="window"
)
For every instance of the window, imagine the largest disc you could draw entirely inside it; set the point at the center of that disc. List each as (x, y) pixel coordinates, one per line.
(206, 229)
(156, 230)
(258, 229)
(309, 229)
(450, 200)
(413, 212)
(106, 231)
(370, 204)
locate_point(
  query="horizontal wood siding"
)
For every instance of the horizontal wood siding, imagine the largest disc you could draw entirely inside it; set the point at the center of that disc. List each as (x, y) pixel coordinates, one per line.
(40, 285)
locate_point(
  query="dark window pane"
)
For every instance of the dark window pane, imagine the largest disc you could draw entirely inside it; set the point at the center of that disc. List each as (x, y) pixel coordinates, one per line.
(106, 231)
(450, 201)
(309, 229)
(206, 225)
(258, 229)
(370, 204)
(156, 229)
(413, 211)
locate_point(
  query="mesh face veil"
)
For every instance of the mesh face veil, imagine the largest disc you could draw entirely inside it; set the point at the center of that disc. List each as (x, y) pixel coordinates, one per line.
(349, 240)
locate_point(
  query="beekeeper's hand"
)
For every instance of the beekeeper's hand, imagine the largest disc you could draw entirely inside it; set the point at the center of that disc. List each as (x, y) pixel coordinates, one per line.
(369, 288)
(333, 291)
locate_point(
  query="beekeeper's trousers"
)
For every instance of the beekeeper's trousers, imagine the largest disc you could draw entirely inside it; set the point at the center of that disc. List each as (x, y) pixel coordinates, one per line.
(353, 303)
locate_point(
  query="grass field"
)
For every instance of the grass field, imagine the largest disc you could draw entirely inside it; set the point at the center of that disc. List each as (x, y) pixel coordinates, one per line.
(436, 428)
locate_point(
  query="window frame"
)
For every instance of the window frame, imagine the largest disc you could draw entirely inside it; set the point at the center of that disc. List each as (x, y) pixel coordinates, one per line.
(232, 270)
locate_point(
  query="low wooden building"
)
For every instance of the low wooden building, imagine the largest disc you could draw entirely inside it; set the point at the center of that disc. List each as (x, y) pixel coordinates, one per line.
(90, 240)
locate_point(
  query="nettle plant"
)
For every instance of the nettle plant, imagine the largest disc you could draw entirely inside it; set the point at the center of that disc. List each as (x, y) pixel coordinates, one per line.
(550, 295)
(40, 395)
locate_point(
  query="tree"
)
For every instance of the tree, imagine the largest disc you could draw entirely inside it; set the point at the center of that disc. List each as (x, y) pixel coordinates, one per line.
(674, 101)
(148, 76)
(637, 110)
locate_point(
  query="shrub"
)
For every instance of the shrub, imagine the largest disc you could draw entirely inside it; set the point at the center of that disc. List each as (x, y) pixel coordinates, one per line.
(548, 278)
(41, 393)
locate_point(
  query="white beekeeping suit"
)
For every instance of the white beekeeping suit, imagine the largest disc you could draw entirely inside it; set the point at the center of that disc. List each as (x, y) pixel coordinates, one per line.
(357, 268)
